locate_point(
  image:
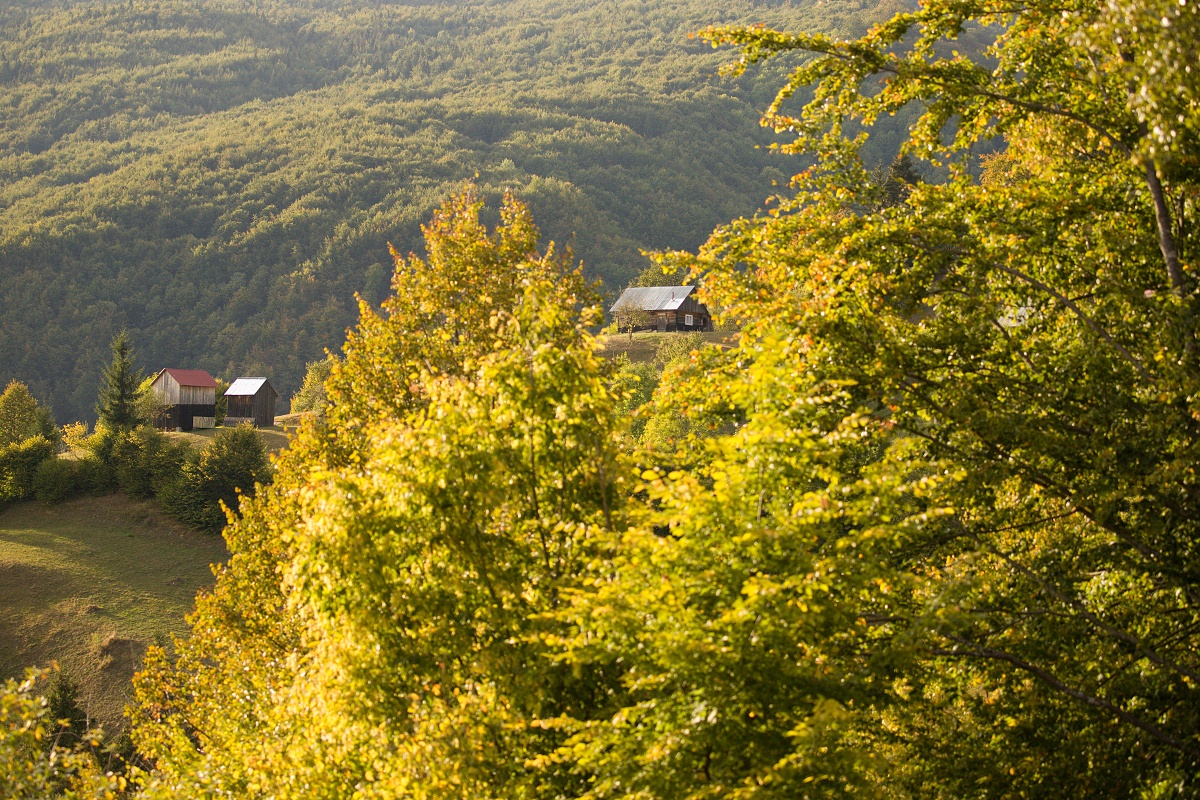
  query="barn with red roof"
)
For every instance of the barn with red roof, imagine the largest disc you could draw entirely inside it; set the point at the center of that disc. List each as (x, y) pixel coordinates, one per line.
(189, 397)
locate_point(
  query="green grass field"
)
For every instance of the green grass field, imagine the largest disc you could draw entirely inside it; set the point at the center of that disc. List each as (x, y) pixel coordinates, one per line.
(91, 583)
(275, 438)
(644, 344)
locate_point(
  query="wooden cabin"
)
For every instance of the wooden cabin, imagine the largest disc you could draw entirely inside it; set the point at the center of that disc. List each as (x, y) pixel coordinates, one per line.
(668, 308)
(251, 400)
(190, 397)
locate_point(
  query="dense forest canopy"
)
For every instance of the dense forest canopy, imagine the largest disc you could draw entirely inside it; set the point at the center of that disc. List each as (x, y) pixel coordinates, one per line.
(221, 177)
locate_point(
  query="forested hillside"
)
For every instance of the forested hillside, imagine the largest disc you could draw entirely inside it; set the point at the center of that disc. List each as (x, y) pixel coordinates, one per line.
(221, 177)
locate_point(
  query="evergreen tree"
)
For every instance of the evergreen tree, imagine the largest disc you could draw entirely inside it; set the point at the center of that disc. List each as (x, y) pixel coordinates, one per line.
(119, 394)
(68, 721)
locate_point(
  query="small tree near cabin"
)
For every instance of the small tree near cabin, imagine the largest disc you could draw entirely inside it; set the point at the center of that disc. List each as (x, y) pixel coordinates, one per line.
(629, 314)
(311, 395)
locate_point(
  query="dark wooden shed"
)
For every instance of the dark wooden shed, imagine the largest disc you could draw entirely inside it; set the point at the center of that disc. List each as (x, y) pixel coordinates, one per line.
(251, 400)
(189, 397)
(668, 308)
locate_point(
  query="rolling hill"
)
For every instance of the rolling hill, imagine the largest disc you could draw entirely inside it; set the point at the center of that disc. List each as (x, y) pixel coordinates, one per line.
(221, 177)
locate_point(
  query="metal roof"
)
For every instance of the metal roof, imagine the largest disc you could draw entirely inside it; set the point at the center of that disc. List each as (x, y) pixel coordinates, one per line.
(191, 377)
(655, 298)
(245, 387)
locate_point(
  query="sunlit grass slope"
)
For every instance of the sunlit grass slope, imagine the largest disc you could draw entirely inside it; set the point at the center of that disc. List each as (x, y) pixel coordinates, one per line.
(91, 583)
(274, 438)
(643, 345)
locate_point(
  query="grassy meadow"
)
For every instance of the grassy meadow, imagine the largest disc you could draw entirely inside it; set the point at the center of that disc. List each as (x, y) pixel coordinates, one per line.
(92, 582)
(275, 437)
(643, 345)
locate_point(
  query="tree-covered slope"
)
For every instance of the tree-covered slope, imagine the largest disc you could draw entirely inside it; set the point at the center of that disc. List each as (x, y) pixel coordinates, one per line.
(221, 177)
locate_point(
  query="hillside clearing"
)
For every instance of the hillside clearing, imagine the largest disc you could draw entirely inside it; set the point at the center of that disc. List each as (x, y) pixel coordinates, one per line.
(644, 344)
(91, 583)
(275, 438)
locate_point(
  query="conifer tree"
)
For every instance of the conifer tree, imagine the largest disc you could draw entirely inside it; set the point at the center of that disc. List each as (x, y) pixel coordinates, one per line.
(118, 403)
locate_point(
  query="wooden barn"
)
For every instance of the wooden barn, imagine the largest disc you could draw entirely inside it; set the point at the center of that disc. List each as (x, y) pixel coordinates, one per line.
(668, 308)
(190, 397)
(251, 400)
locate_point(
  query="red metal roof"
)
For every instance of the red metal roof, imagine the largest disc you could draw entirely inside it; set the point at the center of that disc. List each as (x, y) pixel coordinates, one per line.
(192, 377)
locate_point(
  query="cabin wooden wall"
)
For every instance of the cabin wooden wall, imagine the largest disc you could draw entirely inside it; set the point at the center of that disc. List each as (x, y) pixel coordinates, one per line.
(171, 393)
(258, 410)
(191, 406)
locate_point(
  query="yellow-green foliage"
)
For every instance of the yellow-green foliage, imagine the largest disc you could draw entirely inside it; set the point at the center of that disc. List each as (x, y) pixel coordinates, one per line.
(19, 464)
(22, 417)
(33, 766)
(939, 538)
(311, 394)
(376, 631)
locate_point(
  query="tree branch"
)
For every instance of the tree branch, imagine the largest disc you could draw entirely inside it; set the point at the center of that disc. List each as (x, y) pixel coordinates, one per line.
(1068, 303)
(980, 651)
(1166, 240)
(1139, 646)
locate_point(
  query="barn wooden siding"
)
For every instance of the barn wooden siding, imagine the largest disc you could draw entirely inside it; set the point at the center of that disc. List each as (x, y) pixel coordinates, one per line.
(671, 308)
(191, 403)
(251, 400)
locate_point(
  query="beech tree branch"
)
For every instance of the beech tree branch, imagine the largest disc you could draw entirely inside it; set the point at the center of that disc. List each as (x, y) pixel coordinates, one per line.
(1140, 647)
(1091, 323)
(1166, 239)
(981, 651)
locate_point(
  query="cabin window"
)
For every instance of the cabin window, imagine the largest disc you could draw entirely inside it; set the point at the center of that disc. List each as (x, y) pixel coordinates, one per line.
(687, 319)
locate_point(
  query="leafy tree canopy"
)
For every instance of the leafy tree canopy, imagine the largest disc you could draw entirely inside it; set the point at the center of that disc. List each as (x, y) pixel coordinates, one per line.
(927, 530)
(468, 450)
(22, 417)
(950, 548)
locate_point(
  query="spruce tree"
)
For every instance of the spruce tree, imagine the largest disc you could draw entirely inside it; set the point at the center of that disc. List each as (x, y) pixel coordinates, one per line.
(117, 405)
(68, 721)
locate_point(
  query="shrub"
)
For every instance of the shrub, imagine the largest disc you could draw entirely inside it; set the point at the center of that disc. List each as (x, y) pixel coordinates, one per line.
(19, 464)
(634, 384)
(311, 396)
(666, 431)
(677, 348)
(56, 480)
(142, 460)
(37, 765)
(75, 435)
(94, 477)
(234, 461)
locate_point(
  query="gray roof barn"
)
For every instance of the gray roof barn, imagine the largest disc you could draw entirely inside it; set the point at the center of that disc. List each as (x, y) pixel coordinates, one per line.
(655, 298)
(668, 308)
(251, 400)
